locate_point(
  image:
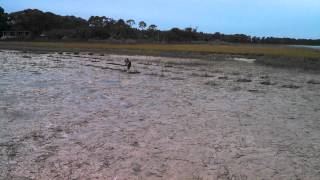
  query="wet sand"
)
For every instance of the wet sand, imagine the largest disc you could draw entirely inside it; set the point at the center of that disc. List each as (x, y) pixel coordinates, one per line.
(81, 116)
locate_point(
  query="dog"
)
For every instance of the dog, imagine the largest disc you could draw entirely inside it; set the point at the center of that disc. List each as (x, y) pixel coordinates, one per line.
(128, 64)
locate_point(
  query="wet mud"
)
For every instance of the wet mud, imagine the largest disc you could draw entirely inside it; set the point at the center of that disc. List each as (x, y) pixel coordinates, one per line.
(82, 116)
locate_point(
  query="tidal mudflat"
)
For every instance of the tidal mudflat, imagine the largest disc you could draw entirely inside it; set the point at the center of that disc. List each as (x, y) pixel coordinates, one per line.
(81, 116)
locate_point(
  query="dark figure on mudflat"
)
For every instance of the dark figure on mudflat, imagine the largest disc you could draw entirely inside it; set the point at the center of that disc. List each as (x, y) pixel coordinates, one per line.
(127, 63)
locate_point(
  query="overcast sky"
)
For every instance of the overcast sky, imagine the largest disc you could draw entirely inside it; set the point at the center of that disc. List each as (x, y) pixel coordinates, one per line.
(280, 18)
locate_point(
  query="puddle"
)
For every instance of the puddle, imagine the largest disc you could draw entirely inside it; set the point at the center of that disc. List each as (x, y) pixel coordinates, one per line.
(244, 60)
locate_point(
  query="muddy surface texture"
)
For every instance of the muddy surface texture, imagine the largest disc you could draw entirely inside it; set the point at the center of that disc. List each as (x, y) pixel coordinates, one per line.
(81, 116)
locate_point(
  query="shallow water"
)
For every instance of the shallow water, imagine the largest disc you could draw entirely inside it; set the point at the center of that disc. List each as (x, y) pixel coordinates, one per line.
(305, 46)
(79, 116)
(244, 60)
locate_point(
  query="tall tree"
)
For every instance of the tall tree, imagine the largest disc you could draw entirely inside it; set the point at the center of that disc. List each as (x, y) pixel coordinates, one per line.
(101, 27)
(152, 27)
(97, 21)
(3, 20)
(142, 25)
(130, 22)
(121, 23)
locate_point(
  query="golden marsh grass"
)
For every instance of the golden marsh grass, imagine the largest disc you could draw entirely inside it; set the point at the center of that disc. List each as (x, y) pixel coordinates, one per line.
(256, 50)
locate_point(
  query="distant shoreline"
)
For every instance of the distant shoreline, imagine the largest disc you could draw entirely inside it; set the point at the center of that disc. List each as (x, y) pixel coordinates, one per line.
(277, 56)
(306, 46)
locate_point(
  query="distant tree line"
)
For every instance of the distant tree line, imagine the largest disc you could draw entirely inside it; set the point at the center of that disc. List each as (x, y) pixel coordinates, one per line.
(51, 26)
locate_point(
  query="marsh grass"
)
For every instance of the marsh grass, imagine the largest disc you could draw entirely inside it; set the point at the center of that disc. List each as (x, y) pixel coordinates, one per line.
(240, 49)
(273, 55)
(301, 63)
